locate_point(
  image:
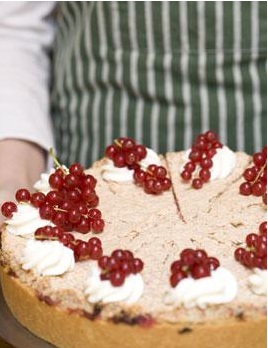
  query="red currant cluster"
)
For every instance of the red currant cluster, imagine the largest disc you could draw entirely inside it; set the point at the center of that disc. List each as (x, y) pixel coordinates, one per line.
(71, 204)
(202, 151)
(118, 266)
(154, 180)
(126, 153)
(192, 263)
(92, 249)
(255, 252)
(256, 177)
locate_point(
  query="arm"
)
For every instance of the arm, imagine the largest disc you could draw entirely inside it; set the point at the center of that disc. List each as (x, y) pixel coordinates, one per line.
(26, 35)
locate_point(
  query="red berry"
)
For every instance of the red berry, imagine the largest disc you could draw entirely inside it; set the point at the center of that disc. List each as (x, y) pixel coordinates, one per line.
(200, 271)
(74, 216)
(60, 218)
(141, 152)
(160, 172)
(263, 228)
(190, 167)
(152, 168)
(56, 181)
(118, 254)
(82, 250)
(117, 278)
(249, 259)
(217, 145)
(166, 184)
(149, 186)
(113, 264)
(200, 256)
(88, 181)
(128, 255)
(213, 263)
(177, 277)
(81, 208)
(97, 225)
(96, 252)
(197, 184)
(245, 189)
(111, 151)
(139, 176)
(76, 169)
(157, 187)
(88, 194)
(103, 262)
(54, 198)
(239, 254)
(119, 160)
(128, 144)
(204, 175)
(195, 156)
(93, 203)
(46, 212)
(137, 265)
(187, 257)
(94, 241)
(127, 267)
(67, 238)
(258, 188)
(250, 174)
(131, 158)
(206, 163)
(83, 226)
(71, 181)
(211, 136)
(38, 199)
(176, 266)
(94, 214)
(261, 249)
(252, 239)
(259, 159)
(23, 195)
(186, 175)
(210, 153)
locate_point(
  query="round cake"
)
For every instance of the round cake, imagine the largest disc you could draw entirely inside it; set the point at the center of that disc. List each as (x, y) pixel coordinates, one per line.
(142, 250)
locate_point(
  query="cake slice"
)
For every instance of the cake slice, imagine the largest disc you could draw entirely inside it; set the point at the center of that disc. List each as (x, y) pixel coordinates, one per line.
(194, 203)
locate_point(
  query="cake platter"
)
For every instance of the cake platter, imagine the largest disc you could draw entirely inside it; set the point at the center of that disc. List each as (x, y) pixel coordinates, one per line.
(14, 333)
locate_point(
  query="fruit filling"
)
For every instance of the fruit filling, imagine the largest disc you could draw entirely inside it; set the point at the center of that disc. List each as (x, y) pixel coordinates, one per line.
(192, 263)
(256, 177)
(119, 265)
(198, 168)
(254, 254)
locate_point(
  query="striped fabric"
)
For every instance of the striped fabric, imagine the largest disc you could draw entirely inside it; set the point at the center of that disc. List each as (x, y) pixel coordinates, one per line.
(160, 72)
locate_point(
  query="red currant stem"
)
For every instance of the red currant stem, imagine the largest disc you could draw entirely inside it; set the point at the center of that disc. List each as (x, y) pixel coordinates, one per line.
(260, 172)
(42, 237)
(117, 143)
(250, 248)
(58, 165)
(59, 209)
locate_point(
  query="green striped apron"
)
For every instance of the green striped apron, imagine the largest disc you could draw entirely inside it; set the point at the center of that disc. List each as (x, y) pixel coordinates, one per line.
(160, 72)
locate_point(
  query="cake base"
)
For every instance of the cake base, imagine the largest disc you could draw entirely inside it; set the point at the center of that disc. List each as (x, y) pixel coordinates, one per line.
(56, 325)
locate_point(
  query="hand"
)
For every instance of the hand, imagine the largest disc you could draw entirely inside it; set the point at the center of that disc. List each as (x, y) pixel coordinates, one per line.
(21, 163)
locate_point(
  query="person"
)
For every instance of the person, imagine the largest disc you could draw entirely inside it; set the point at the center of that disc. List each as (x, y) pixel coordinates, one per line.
(76, 75)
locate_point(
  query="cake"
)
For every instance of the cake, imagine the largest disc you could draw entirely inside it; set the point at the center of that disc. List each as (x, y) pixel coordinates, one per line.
(77, 308)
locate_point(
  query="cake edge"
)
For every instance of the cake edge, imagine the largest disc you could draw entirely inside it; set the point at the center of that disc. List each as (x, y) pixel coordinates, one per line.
(72, 330)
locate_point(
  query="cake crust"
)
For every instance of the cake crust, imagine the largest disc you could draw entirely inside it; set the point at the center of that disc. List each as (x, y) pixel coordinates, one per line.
(57, 326)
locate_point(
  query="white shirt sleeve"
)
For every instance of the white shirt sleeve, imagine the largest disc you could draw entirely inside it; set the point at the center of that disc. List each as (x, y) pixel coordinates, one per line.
(26, 36)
